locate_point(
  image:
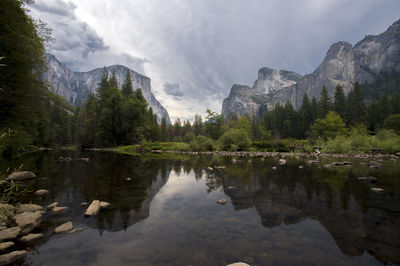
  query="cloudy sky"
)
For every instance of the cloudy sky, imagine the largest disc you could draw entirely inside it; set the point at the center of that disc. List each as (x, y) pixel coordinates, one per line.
(194, 51)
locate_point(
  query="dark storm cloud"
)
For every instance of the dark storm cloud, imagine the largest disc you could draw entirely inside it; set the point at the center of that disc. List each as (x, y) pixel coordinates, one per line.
(173, 89)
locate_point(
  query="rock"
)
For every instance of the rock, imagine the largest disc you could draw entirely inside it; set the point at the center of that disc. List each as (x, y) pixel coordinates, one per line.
(368, 179)
(59, 210)
(327, 165)
(234, 161)
(128, 179)
(28, 208)
(41, 192)
(221, 201)
(9, 233)
(12, 257)
(313, 161)
(282, 161)
(210, 168)
(82, 159)
(274, 168)
(377, 190)
(21, 176)
(6, 209)
(77, 230)
(104, 205)
(93, 209)
(51, 206)
(238, 264)
(6, 245)
(30, 238)
(84, 204)
(68, 226)
(301, 167)
(28, 221)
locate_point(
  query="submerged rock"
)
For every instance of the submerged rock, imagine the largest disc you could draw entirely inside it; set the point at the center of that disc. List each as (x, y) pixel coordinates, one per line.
(282, 161)
(28, 221)
(274, 168)
(41, 192)
(51, 206)
(9, 233)
(93, 209)
(104, 205)
(368, 179)
(301, 167)
(377, 190)
(68, 226)
(221, 201)
(21, 176)
(12, 256)
(30, 238)
(59, 210)
(28, 208)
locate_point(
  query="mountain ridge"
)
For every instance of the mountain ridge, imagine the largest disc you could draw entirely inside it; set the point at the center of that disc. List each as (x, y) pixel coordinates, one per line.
(75, 86)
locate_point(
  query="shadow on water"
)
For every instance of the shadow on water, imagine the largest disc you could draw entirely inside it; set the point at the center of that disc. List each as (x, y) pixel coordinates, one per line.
(164, 211)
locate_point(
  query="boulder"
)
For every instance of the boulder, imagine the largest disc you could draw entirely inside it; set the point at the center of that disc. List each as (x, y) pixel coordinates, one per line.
(6, 245)
(12, 257)
(104, 205)
(28, 208)
(6, 209)
(274, 168)
(68, 226)
(301, 167)
(210, 168)
(21, 176)
(9, 233)
(41, 192)
(93, 209)
(28, 221)
(51, 206)
(238, 264)
(221, 201)
(30, 238)
(59, 210)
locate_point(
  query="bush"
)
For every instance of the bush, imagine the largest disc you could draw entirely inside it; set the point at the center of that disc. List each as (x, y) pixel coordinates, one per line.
(329, 127)
(387, 140)
(237, 137)
(189, 137)
(392, 122)
(202, 143)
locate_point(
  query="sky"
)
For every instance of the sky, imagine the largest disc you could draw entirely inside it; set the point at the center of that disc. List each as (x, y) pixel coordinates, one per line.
(195, 50)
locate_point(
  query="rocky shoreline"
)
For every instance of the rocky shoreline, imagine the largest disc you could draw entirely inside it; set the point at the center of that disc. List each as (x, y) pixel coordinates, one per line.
(22, 226)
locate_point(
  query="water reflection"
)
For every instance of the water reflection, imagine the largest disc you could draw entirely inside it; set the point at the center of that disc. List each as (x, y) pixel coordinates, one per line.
(167, 214)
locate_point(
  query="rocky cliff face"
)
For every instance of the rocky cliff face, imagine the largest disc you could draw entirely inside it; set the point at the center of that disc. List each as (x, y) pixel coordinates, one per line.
(75, 86)
(343, 64)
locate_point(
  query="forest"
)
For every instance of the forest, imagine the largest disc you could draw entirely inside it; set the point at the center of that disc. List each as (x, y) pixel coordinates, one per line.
(32, 116)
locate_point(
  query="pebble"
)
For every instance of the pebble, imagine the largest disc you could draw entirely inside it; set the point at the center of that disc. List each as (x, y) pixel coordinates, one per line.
(41, 192)
(221, 201)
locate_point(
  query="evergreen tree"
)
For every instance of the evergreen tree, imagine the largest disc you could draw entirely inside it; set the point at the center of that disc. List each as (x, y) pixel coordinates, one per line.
(127, 88)
(164, 135)
(306, 115)
(324, 105)
(340, 101)
(198, 125)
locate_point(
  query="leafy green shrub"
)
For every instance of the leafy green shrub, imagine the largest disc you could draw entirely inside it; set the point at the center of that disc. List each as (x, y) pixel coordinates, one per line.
(392, 122)
(235, 136)
(189, 137)
(202, 143)
(329, 127)
(387, 140)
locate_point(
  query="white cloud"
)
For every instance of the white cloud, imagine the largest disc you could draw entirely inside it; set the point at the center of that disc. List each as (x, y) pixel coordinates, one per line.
(204, 45)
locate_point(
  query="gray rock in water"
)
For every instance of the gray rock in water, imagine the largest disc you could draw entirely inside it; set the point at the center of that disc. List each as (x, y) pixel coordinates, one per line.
(30, 238)
(12, 257)
(368, 179)
(68, 226)
(301, 167)
(93, 209)
(28, 221)
(377, 190)
(238, 264)
(104, 205)
(28, 208)
(274, 168)
(221, 201)
(41, 192)
(282, 161)
(9, 233)
(6, 245)
(51, 206)
(60, 210)
(21, 176)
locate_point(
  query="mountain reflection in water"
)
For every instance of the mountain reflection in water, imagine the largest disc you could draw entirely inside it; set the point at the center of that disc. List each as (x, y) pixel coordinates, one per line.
(167, 213)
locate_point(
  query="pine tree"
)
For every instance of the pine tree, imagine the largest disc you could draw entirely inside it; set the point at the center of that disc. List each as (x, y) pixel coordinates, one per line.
(164, 136)
(324, 104)
(127, 88)
(198, 125)
(340, 101)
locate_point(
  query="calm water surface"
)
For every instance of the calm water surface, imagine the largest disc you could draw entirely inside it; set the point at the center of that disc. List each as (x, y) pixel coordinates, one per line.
(168, 215)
